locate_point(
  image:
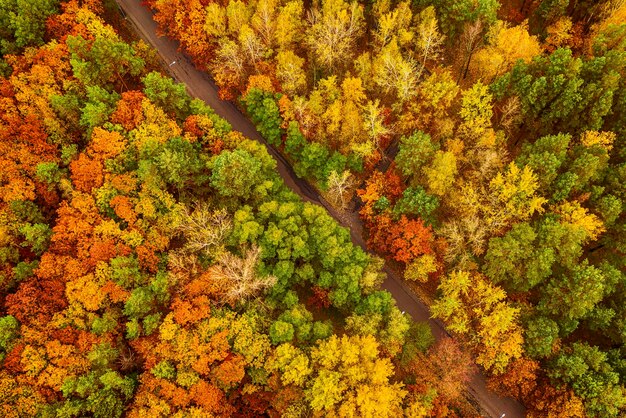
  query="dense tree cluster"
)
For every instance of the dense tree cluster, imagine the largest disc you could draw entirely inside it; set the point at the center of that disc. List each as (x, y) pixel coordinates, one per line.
(507, 189)
(154, 263)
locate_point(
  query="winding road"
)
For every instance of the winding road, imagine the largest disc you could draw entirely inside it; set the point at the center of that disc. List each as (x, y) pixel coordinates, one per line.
(199, 85)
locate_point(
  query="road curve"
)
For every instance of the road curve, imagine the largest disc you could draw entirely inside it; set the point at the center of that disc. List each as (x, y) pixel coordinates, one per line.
(200, 85)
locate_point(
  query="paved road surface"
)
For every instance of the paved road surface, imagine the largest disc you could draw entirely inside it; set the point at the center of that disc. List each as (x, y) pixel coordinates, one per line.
(201, 86)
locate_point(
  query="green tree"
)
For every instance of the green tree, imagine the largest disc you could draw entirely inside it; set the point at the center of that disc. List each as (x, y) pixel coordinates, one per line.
(236, 174)
(453, 15)
(586, 369)
(167, 94)
(414, 152)
(23, 23)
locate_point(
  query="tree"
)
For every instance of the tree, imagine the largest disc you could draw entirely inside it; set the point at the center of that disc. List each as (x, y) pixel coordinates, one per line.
(573, 294)
(264, 112)
(22, 23)
(441, 173)
(518, 380)
(333, 32)
(429, 40)
(105, 59)
(341, 385)
(414, 152)
(518, 259)
(395, 73)
(585, 368)
(290, 72)
(237, 279)
(166, 94)
(504, 48)
(236, 173)
(513, 197)
(289, 24)
(340, 188)
(562, 93)
(447, 368)
(473, 306)
(454, 15)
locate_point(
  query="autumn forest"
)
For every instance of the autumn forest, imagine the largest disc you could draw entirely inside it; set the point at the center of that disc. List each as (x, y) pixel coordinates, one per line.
(155, 262)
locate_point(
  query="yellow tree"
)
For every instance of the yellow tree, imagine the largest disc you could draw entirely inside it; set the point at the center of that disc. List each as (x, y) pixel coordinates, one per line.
(472, 306)
(350, 379)
(504, 48)
(290, 72)
(429, 40)
(289, 24)
(441, 172)
(333, 31)
(394, 73)
(512, 197)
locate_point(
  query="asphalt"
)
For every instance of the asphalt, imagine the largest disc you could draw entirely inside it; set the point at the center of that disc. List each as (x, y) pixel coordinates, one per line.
(201, 86)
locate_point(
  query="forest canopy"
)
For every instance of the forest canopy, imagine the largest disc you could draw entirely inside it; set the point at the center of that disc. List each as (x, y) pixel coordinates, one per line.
(153, 262)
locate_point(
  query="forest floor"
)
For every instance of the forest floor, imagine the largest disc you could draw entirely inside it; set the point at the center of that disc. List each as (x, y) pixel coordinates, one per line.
(199, 85)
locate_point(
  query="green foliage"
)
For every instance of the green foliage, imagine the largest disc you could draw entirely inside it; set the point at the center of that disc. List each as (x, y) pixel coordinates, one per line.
(99, 106)
(167, 94)
(180, 164)
(416, 202)
(23, 23)
(518, 259)
(236, 173)
(103, 324)
(588, 372)
(561, 93)
(24, 270)
(164, 370)
(105, 60)
(9, 331)
(540, 335)
(36, 236)
(414, 152)
(49, 173)
(263, 110)
(453, 15)
(281, 332)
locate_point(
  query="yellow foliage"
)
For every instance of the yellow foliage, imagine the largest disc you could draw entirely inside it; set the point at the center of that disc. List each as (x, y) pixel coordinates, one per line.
(559, 33)
(506, 46)
(513, 197)
(604, 140)
(579, 217)
(86, 291)
(421, 267)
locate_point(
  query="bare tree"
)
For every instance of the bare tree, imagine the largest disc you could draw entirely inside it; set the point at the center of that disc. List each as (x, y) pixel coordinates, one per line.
(469, 43)
(237, 277)
(204, 229)
(340, 188)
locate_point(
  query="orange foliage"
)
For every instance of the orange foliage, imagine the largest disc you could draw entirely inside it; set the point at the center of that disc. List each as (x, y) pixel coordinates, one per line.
(403, 240)
(124, 208)
(207, 396)
(148, 260)
(87, 173)
(261, 82)
(518, 381)
(115, 292)
(186, 312)
(105, 144)
(548, 401)
(230, 372)
(125, 183)
(129, 112)
(36, 300)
